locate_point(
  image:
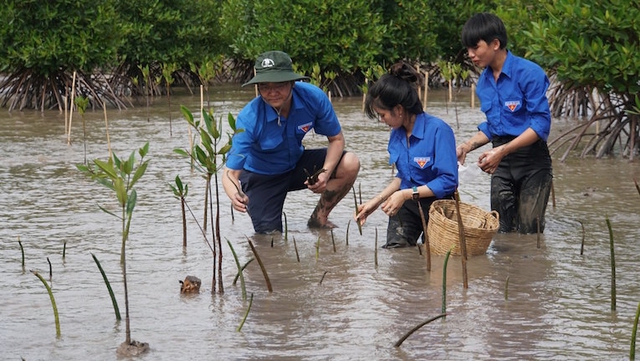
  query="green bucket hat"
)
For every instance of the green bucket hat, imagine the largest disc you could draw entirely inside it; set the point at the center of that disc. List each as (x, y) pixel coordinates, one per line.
(274, 67)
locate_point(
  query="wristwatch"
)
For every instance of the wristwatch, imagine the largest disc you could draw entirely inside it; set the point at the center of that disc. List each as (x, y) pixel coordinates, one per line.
(416, 194)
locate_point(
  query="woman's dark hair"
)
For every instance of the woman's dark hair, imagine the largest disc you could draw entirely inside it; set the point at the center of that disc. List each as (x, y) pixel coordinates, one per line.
(397, 87)
(483, 26)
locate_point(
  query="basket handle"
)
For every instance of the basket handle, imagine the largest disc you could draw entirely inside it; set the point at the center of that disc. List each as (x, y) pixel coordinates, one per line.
(495, 214)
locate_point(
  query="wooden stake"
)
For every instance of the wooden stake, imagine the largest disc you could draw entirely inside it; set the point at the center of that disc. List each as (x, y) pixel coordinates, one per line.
(426, 87)
(73, 93)
(463, 241)
(473, 96)
(106, 124)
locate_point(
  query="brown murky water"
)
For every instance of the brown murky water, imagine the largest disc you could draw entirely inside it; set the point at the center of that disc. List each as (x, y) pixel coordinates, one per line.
(558, 306)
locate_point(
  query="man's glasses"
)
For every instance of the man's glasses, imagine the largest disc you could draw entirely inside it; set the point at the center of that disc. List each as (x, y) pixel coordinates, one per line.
(278, 87)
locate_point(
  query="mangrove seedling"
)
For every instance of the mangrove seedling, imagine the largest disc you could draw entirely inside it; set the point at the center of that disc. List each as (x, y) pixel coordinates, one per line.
(180, 192)
(264, 270)
(346, 234)
(295, 247)
(120, 176)
(444, 281)
(21, 251)
(333, 241)
(53, 302)
(355, 201)
(632, 353)
(401, 340)
(235, 279)
(167, 74)
(204, 156)
(506, 289)
(81, 103)
(244, 319)
(375, 250)
(613, 267)
(242, 284)
(463, 241)
(114, 302)
(313, 178)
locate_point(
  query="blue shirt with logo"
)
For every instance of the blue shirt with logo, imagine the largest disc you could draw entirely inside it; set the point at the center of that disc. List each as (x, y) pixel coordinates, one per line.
(515, 102)
(429, 158)
(269, 145)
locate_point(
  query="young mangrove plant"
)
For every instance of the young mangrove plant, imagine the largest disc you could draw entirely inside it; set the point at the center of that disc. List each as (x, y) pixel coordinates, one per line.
(613, 267)
(355, 201)
(235, 279)
(333, 241)
(444, 281)
(114, 302)
(375, 250)
(506, 289)
(21, 251)
(167, 75)
(632, 352)
(120, 176)
(295, 247)
(346, 234)
(244, 319)
(427, 247)
(463, 242)
(264, 270)
(180, 192)
(240, 269)
(403, 338)
(53, 302)
(81, 103)
(204, 155)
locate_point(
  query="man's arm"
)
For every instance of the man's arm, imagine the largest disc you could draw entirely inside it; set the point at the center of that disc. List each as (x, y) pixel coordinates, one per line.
(334, 152)
(475, 142)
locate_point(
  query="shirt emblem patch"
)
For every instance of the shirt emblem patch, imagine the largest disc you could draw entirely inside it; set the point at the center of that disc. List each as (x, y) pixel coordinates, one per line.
(512, 105)
(421, 161)
(305, 127)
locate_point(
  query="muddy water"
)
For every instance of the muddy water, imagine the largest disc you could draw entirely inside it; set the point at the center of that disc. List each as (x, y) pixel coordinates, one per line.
(347, 303)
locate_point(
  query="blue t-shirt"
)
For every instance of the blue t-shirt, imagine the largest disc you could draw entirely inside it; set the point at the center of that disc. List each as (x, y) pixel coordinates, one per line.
(515, 102)
(430, 158)
(271, 146)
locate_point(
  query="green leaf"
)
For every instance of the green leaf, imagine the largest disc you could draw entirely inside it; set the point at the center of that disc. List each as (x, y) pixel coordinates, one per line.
(121, 191)
(107, 168)
(131, 202)
(108, 212)
(139, 173)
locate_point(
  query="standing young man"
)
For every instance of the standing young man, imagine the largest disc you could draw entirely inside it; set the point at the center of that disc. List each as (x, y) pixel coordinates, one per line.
(267, 159)
(512, 93)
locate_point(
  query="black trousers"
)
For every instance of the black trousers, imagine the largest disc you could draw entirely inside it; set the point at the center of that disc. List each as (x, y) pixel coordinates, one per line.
(521, 186)
(405, 227)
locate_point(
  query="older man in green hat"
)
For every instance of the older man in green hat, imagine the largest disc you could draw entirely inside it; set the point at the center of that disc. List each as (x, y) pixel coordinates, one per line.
(267, 160)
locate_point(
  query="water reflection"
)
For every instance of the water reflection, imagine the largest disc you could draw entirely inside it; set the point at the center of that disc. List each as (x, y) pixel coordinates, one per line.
(558, 304)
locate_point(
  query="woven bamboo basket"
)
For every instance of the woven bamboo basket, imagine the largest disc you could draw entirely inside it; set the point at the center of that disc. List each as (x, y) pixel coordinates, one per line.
(479, 228)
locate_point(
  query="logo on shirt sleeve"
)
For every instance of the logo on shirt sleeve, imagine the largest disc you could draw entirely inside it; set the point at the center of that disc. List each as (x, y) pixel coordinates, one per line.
(512, 105)
(421, 161)
(305, 127)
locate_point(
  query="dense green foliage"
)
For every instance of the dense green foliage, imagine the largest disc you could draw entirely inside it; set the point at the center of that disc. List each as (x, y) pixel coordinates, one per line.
(49, 36)
(337, 35)
(169, 31)
(587, 43)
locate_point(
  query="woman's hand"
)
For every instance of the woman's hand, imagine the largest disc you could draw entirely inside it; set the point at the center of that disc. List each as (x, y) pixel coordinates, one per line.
(393, 204)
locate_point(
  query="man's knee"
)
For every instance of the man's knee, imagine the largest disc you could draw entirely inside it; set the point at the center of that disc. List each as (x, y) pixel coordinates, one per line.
(349, 166)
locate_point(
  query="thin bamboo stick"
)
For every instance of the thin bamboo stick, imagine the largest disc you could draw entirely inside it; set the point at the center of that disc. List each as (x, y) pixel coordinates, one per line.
(106, 124)
(73, 93)
(426, 87)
